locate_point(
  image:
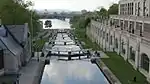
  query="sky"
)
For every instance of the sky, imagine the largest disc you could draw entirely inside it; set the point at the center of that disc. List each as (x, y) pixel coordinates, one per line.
(73, 5)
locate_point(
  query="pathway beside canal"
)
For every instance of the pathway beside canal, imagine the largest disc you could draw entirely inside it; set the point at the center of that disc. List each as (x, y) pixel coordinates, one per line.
(30, 74)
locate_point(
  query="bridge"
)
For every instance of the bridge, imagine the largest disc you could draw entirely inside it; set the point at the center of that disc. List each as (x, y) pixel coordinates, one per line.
(56, 16)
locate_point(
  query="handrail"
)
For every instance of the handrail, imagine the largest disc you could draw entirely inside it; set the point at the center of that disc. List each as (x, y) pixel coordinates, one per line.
(145, 41)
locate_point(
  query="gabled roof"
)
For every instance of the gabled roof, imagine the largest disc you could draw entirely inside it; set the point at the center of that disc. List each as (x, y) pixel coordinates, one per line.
(11, 44)
(17, 31)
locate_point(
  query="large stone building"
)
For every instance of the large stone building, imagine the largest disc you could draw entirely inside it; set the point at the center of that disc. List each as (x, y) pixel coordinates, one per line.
(127, 33)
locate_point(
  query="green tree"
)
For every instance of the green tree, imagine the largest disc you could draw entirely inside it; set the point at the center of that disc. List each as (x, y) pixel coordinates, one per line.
(17, 12)
(103, 13)
(113, 9)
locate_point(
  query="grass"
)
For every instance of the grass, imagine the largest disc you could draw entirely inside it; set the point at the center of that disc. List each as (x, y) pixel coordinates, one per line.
(81, 35)
(123, 70)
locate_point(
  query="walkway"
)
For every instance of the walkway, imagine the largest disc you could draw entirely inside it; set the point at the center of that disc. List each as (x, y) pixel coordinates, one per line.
(30, 74)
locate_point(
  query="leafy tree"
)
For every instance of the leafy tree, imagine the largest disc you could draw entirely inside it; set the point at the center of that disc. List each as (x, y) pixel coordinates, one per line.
(17, 12)
(113, 9)
(103, 13)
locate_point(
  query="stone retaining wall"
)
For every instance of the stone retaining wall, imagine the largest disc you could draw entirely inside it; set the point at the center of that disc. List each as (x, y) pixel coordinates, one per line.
(107, 73)
(38, 77)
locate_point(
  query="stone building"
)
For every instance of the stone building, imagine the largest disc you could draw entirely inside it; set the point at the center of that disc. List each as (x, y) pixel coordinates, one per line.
(15, 51)
(127, 33)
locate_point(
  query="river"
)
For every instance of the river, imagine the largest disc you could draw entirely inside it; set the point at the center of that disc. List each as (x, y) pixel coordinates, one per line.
(70, 72)
(57, 24)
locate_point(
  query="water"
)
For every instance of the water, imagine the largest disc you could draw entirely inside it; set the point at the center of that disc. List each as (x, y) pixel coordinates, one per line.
(70, 72)
(57, 24)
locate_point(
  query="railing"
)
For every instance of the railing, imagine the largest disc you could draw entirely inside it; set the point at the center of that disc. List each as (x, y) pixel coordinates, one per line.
(134, 18)
(124, 32)
(145, 41)
(133, 36)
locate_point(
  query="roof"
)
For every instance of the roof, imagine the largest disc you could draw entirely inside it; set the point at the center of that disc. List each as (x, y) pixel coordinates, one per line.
(18, 31)
(11, 44)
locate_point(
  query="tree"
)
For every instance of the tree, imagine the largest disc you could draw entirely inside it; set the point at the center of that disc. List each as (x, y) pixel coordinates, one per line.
(17, 12)
(113, 9)
(83, 11)
(103, 12)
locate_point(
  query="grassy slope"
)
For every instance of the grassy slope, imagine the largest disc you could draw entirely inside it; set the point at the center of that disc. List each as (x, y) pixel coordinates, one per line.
(81, 35)
(122, 69)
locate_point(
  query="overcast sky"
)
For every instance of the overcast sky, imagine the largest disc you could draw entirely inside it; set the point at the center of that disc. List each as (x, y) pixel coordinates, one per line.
(74, 5)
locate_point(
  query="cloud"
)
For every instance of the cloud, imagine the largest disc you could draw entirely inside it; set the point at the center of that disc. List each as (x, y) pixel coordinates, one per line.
(72, 4)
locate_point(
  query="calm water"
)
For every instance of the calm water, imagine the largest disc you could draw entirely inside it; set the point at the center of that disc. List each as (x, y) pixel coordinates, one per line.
(57, 24)
(70, 72)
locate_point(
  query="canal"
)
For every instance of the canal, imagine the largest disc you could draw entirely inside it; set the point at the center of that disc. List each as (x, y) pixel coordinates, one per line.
(57, 24)
(75, 71)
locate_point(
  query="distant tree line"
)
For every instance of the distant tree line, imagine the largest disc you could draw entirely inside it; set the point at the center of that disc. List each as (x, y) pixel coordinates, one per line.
(81, 21)
(16, 12)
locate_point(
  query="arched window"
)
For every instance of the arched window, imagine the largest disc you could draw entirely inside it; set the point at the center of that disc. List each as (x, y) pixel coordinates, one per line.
(110, 40)
(107, 37)
(116, 43)
(103, 35)
(145, 62)
(122, 47)
(132, 54)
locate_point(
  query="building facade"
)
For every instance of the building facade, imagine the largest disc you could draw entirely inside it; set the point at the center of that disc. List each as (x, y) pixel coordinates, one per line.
(15, 51)
(128, 34)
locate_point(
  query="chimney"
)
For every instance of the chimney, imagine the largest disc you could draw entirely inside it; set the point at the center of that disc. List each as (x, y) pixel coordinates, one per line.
(25, 31)
(0, 23)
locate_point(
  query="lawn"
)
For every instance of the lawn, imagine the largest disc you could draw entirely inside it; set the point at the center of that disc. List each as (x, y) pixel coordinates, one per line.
(81, 35)
(122, 69)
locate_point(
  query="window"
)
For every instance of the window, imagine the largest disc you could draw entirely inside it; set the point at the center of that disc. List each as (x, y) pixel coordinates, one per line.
(1, 59)
(144, 8)
(131, 27)
(132, 9)
(128, 8)
(107, 37)
(135, 8)
(110, 40)
(103, 35)
(116, 41)
(141, 31)
(122, 48)
(138, 9)
(145, 62)
(125, 25)
(121, 24)
(132, 54)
